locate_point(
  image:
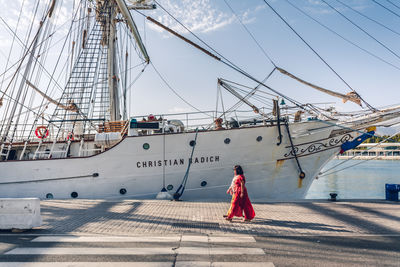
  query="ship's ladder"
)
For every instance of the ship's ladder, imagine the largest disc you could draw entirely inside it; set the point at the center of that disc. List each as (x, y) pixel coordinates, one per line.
(5, 151)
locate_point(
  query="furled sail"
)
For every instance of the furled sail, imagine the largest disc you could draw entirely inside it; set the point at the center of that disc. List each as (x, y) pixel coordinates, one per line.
(351, 96)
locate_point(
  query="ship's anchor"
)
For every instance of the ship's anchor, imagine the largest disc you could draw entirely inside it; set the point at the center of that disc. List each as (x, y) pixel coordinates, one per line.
(302, 174)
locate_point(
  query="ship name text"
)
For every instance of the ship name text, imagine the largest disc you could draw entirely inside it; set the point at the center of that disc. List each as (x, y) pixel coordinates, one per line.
(176, 162)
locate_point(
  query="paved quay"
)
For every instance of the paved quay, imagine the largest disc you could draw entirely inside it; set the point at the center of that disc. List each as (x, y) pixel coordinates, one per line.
(167, 233)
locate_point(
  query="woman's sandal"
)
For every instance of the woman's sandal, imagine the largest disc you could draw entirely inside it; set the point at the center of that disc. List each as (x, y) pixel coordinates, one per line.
(246, 220)
(224, 215)
(228, 219)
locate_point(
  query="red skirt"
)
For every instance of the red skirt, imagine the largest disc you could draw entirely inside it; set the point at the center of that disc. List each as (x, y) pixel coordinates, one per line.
(241, 205)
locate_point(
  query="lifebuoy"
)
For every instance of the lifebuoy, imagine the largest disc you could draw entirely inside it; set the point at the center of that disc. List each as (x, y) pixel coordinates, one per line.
(70, 136)
(41, 132)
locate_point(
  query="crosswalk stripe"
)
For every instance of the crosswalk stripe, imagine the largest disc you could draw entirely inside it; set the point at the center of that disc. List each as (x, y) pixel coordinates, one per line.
(138, 264)
(195, 238)
(87, 264)
(222, 264)
(145, 239)
(235, 239)
(135, 251)
(91, 251)
(138, 239)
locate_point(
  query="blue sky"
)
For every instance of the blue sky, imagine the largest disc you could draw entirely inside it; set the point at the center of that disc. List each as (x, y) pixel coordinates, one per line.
(194, 75)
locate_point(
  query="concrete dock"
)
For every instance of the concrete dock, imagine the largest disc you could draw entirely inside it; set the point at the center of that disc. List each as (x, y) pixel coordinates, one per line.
(168, 233)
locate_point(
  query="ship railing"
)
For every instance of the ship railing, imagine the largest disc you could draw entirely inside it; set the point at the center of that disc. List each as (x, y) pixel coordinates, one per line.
(190, 121)
(50, 153)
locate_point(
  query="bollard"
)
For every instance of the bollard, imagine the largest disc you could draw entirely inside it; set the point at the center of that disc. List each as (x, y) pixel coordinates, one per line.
(19, 213)
(392, 192)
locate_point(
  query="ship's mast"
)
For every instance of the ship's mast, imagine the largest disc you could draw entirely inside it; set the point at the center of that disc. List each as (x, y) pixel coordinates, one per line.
(111, 69)
(119, 5)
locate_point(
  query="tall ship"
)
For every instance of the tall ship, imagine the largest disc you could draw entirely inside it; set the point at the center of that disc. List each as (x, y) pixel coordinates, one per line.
(66, 131)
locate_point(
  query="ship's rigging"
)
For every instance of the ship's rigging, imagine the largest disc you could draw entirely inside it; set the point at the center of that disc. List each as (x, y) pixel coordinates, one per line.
(97, 66)
(76, 110)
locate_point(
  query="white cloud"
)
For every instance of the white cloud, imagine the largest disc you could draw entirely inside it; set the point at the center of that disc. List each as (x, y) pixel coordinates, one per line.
(249, 16)
(199, 16)
(319, 7)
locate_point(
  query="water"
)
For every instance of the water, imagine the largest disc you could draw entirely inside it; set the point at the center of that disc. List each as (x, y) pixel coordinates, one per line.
(364, 181)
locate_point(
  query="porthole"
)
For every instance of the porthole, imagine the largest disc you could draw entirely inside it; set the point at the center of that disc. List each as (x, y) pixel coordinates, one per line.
(122, 191)
(74, 194)
(49, 196)
(170, 187)
(96, 174)
(192, 143)
(204, 183)
(227, 140)
(146, 146)
(259, 138)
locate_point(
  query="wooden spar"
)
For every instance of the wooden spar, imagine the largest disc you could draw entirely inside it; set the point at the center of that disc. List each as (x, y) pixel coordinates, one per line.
(352, 96)
(53, 4)
(241, 98)
(71, 107)
(132, 26)
(183, 38)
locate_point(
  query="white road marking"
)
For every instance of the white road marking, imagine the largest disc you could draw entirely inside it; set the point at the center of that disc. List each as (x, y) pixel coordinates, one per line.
(136, 251)
(91, 251)
(236, 251)
(232, 239)
(97, 239)
(222, 264)
(143, 239)
(242, 264)
(138, 264)
(87, 264)
(195, 238)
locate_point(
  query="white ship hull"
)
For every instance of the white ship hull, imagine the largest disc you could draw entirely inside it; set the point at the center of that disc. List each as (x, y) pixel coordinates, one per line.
(271, 171)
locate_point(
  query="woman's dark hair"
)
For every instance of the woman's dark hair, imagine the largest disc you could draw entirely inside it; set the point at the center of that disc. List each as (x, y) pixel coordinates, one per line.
(238, 169)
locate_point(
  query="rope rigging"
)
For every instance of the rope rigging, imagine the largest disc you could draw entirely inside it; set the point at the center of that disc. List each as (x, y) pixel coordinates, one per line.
(371, 19)
(393, 4)
(317, 54)
(173, 90)
(387, 9)
(251, 35)
(224, 60)
(181, 189)
(341, 36)
(361, 29)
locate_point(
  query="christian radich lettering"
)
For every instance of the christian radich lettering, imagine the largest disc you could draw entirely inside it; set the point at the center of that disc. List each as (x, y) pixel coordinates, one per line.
(175, 162)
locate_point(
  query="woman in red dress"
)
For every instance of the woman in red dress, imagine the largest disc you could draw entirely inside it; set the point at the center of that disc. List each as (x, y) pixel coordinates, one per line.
(240, 200)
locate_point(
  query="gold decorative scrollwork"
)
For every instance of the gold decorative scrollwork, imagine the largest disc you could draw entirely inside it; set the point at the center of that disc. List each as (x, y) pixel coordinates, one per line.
(318, 146)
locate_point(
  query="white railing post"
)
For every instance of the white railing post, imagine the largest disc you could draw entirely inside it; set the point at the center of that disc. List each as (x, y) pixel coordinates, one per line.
(66, 150)
(23, 150)
(80, 148)
(52, 148)
(37, 149)
(163, 124)
(187, 122)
